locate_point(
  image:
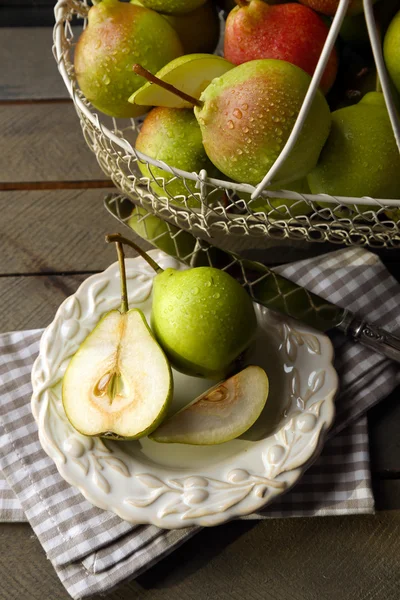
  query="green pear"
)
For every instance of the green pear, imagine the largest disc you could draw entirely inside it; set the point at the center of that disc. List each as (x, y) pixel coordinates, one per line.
(391, 50)
(191, 73)
(173, 7)
(221, 414)
(117, 36)
(169, 238)
(173, 135)
(118, 384)
(360, 157)
(247, 115)
(198, 30)
(202, 318)
(282, 208)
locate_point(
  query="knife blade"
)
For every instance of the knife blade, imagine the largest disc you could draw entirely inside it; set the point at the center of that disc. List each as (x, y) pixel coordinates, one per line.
(264, 285)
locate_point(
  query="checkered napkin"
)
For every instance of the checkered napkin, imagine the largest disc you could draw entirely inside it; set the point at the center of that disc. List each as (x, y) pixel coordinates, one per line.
(94, 550)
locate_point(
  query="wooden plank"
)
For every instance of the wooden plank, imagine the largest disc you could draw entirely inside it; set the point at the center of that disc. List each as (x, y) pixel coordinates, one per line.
(384, 429)
(23, 16)
(44, 143)
(55, 231)
(350, 558)
(36, 75)
(31, 302)
(386, 493)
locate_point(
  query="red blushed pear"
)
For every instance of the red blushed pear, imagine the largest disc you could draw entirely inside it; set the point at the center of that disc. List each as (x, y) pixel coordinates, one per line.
(290, 32)
(329, 7)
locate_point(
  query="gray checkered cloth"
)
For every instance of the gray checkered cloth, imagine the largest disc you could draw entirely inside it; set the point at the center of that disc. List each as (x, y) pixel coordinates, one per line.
(93, 550)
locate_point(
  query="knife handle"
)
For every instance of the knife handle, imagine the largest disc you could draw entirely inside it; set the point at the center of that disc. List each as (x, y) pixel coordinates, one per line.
(370, 335)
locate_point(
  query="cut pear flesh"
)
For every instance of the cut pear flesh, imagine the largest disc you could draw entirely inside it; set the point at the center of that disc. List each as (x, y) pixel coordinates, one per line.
(119, 381)
(221, 414)
(190, 74)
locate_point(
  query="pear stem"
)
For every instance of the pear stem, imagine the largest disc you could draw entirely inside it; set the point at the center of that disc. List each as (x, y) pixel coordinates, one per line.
(124, 293)
(242, 3)
(139, 70)
(117, 237)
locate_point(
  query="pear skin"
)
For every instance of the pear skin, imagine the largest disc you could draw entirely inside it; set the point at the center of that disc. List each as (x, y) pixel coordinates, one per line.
(203, 319)
(173, 7)
(173, 136)
(248, 114)
(117, 36)
(360, 157)
(391, 50)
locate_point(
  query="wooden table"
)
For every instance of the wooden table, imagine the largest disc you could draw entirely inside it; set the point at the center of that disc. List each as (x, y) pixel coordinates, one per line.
(51, 238)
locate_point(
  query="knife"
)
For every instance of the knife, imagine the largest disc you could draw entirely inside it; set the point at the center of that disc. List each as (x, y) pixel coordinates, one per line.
(264, 285)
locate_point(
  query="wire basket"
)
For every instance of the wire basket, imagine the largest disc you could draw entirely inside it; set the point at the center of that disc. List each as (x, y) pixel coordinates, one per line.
(221, 212)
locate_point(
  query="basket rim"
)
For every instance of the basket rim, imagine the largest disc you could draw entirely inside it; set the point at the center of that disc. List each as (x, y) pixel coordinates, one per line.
(62, 10)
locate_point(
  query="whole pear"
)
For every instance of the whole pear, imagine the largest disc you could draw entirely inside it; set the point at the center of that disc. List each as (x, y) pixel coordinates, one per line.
(203, 319)
(173, 7)
(391, 50)
(329, 7)
(247, 115)
(173, 136)
(117, 36)
(290, 32)
(360, 157)
(198, 30)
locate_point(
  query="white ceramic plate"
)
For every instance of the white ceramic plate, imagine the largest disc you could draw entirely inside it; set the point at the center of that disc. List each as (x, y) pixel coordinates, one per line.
(174, 485)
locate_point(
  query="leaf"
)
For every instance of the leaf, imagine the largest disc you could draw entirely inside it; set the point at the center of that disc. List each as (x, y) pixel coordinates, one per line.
(117, 464)
(143, 502)
(150, 481)
(82, 463)
(291, 347)
(295, 383)
(316, 381)
(175, 483)
(175, 508)
(101, 482)
(315, 408)
(312, 343)
(218, 507)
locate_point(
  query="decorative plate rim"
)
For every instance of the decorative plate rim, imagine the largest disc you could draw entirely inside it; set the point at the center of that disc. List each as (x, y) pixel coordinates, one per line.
(93, 465)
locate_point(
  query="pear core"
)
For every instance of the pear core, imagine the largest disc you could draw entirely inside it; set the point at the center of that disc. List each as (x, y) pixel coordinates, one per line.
(119, 382)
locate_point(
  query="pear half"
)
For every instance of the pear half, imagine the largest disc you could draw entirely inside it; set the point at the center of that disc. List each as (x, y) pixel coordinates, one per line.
(191, 74)
(119, 383)
(221, 414)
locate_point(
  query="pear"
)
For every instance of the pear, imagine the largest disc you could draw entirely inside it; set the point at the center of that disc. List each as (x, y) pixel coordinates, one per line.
(169, 238)
(391, 50)
(329, 7)
(120, 34)
(173, 7)
(202, 318)
(173, 136)
(360, 157)
(198, 30)
(290, 32)
(247, 115)
(221, 414)
(191, 73)
(282, 208)
(118, 384)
